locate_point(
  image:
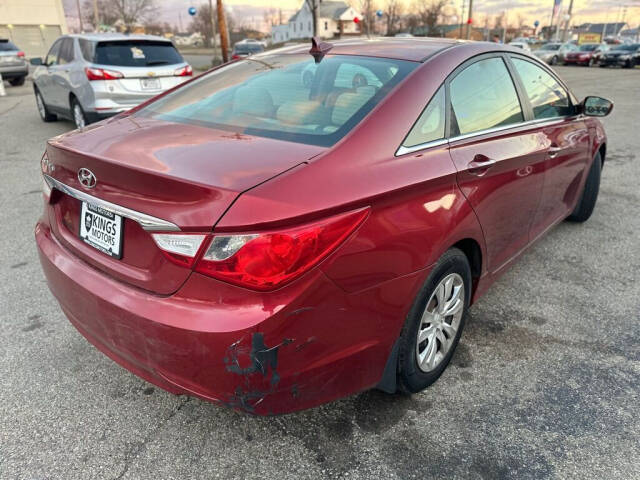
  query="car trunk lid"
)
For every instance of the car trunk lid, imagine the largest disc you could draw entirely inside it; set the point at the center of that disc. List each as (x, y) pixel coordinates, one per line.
(184, 175)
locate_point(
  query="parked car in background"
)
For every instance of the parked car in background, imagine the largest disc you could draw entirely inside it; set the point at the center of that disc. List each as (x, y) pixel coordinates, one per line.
(403, 35)
(253, 41)
(521, 45)
(270, 245)
(89, 77)
(587, 54)
(554, 53)
(13, 64)
(241, 50)
(623, 55)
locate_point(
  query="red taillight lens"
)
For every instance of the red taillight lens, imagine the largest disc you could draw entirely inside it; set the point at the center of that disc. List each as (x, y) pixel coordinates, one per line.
(266, 261)
(21, 54)
(102, 74)
(183, 72)
(235, 56)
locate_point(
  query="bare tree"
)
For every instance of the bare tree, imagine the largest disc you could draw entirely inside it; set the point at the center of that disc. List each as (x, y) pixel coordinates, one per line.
(132, 11)
(107, 14)
(429, 13)
(271, 17)
(393, 12)
(368, 11)
(313, 7)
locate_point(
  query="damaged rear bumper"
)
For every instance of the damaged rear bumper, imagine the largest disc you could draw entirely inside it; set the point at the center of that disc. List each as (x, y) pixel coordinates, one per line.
(264, 353)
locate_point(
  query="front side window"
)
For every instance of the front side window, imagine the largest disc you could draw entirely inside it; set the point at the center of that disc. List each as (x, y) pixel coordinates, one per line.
(286, 96)
(548, 98)
(483, 96)
(52, 56)
(430, 125)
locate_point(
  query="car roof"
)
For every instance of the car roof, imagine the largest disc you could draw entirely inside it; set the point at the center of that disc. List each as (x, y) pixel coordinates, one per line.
(114, 37)
(412, 49)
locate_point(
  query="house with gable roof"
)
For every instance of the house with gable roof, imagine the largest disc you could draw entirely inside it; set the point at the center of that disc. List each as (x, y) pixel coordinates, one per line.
(335, 18)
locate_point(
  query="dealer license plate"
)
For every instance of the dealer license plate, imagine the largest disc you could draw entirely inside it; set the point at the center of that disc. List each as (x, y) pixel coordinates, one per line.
(102, 229)
(150, 83)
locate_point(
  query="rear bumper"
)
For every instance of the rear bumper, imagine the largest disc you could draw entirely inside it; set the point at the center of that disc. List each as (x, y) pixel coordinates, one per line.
(264, 353)
(14, 71)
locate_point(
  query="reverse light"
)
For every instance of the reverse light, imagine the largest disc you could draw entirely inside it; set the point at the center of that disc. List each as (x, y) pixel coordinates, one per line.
(102, 74)
(179, 248)
(266, 261)
(186, 71)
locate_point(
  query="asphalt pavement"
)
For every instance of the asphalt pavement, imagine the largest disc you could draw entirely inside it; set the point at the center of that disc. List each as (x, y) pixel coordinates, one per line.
(545, 382)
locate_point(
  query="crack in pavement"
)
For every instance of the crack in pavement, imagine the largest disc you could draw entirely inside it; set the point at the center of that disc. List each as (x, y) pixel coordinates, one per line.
(11, 107)
(134, 452)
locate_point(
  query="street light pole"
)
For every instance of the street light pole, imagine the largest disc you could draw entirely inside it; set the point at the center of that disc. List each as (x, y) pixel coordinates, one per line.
(96, 20)
(566, 25)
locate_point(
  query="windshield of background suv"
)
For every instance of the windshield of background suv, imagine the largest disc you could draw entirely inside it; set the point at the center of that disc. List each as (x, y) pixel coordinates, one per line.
(286, 96)
(588, 48)
(6, 46)
(136, 53)
(551, 46)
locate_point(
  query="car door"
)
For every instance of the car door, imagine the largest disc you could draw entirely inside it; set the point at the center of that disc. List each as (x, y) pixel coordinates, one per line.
(60, 74)
(498, 156)
(43, 79)
(566, 136)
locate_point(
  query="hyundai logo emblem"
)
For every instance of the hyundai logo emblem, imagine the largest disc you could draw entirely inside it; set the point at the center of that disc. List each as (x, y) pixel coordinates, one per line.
(87, 178)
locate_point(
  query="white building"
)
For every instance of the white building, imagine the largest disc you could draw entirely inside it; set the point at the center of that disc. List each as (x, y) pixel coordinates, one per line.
(335, 18)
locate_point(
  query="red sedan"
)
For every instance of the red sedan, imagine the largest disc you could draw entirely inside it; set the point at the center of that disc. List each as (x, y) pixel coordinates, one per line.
(272, 243)
(587, 54)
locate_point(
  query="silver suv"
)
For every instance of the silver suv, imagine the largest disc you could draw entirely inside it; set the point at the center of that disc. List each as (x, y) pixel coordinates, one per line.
(90, 77)
(13, 65)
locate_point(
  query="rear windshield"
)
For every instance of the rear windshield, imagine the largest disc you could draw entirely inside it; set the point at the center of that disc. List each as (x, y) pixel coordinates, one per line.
(285, 96)
(588, 48)
(6, 46)
(136, 53)
(249, 48)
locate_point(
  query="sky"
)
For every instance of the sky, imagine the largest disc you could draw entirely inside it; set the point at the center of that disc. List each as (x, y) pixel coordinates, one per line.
(251, 11)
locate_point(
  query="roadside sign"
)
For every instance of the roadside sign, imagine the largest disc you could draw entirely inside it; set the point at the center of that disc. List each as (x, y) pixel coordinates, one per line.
(589, 38)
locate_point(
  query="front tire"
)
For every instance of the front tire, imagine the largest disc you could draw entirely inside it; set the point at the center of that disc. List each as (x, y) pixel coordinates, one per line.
(45, 115)
(433, 326)
(554, 60)
(589, 196)
(16, 82)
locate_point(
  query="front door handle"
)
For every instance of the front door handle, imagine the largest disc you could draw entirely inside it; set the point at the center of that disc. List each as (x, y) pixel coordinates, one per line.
(554, 150)
(480, 165)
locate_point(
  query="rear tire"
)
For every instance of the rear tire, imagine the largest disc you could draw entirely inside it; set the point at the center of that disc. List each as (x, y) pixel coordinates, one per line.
(554, 60)
(589, 196)
(446, 290)
(43, 110)
(16, 82)
(79, 118)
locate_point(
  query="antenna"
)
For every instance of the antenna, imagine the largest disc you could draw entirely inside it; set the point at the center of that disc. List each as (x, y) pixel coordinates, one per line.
(319, 48)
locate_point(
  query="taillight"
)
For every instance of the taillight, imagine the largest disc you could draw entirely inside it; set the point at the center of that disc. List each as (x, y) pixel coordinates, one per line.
(235, 56)
(266, 261)
(102, 74)
(179, 248)
(21, 54)
(183, 72)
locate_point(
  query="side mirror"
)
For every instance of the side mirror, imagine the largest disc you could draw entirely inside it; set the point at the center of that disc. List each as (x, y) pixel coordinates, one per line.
(596, 107)
(36, 61)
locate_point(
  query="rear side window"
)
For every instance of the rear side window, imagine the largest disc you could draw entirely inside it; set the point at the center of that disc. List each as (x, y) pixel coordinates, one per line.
(6, 46)
(430, 125)
(287, 96)
(548, 98)
(483, 96)
(66, 51)
(136, 53)
(87, 49)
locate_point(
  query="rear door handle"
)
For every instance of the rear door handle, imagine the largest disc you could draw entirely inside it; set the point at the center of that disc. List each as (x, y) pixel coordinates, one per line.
(480, 165)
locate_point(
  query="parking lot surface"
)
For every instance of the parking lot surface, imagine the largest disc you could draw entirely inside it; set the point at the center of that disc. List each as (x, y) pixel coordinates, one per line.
(545, 382)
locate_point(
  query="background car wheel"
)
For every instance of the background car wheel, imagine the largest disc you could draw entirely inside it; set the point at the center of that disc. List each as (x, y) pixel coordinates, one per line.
(434, 324)
(592, 62)
(587, 201)
(42, 109)
(554, 60)
(79, 117)
(16, 82)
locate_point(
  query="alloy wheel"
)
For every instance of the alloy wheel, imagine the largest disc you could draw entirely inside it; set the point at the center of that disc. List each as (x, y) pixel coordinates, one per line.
(440, 322)
(78, 116)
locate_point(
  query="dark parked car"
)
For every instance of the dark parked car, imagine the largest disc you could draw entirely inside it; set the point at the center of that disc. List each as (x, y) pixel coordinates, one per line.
(13, 65)
(241, 50)
(621, 55)
(271, 245)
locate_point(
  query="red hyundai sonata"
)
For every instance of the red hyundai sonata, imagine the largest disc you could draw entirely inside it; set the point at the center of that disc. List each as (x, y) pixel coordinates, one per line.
(303, 225)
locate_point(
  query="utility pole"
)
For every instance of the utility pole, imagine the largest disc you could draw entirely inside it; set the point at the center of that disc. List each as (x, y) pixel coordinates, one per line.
(79, 15)
(462, 18)
(470, 19)
(213, 32)
(96, 20)
(566, 25)
(222, 28)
